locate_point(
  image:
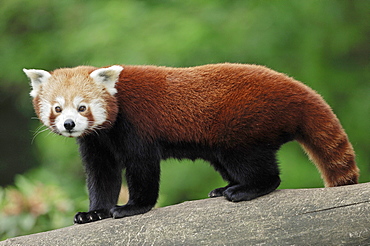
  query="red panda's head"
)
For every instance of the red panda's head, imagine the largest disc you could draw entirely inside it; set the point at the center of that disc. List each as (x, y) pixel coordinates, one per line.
(75, 101)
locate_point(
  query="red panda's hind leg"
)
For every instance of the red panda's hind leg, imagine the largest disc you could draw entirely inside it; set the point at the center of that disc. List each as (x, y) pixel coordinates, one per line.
(219, 191)
(242, 192)
(253, 174)
(218, 166)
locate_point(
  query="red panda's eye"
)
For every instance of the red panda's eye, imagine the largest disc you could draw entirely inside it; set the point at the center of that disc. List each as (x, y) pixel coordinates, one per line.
(82, 109)
(58, 109)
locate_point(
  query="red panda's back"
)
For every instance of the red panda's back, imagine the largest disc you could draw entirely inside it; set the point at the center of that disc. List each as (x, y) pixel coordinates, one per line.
(212, 103)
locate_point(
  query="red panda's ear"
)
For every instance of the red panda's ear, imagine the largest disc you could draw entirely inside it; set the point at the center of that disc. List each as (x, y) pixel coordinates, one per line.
(37, 77)
(108, 77)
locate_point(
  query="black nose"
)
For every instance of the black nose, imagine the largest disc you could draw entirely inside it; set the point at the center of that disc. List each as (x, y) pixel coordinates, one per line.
(69, 124)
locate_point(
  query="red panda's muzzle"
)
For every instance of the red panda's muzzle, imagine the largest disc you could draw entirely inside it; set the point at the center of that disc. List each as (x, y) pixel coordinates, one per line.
(69, 125)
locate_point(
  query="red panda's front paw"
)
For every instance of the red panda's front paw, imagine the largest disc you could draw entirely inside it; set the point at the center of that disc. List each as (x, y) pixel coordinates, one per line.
(128, 210)
(91, 216)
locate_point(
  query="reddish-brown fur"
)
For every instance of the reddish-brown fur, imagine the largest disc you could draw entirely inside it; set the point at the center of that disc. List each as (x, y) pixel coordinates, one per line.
(236, 105)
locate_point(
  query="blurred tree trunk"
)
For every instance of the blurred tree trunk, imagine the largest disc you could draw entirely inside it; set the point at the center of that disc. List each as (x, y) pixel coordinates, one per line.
(324, 216)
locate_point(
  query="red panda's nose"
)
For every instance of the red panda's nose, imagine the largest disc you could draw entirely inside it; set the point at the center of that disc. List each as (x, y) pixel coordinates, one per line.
(69, 124)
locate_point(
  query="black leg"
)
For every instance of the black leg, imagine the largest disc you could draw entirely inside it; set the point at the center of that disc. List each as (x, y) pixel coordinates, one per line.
(142, 177)
(104, 178)
(219, 191)
(243, 192)
(255, 174)
(225, 175)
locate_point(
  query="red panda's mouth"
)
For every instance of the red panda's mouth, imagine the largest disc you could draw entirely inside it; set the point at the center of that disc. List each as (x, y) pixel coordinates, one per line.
(72, 134)
(69, 133)
(71, 127)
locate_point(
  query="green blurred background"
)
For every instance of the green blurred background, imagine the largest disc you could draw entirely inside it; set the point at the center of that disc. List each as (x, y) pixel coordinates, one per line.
(324, 44)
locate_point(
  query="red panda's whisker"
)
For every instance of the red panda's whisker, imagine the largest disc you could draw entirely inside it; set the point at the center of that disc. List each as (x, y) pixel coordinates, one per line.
(38, 132)
(95, 131)
(39, 128)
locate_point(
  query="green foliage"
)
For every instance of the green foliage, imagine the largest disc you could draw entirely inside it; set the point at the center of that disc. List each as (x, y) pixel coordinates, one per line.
(186, 180)
(31, 206)
(322, 43)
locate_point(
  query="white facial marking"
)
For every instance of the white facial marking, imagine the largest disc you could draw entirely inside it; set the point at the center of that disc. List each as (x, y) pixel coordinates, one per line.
(61, 101)
(98, 111)
(70, 113)
(77, 101)
(45, 109)
(80, 122)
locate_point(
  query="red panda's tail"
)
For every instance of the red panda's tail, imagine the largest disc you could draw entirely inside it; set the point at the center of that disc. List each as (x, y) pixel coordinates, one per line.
(327, 145)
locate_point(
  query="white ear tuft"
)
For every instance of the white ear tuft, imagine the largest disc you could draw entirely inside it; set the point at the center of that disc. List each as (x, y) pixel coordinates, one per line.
(37, 78)
(108, 77)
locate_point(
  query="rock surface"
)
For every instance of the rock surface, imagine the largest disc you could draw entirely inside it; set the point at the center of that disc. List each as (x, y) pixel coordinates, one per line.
(324, 216)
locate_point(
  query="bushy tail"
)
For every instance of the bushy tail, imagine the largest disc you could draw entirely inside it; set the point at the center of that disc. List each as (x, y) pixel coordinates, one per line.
(327, 145)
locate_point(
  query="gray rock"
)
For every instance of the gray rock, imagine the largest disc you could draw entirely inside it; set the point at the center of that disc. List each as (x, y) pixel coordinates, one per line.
(324, 216)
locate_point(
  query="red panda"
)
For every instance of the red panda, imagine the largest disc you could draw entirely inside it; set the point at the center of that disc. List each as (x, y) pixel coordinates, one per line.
(234, 116)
